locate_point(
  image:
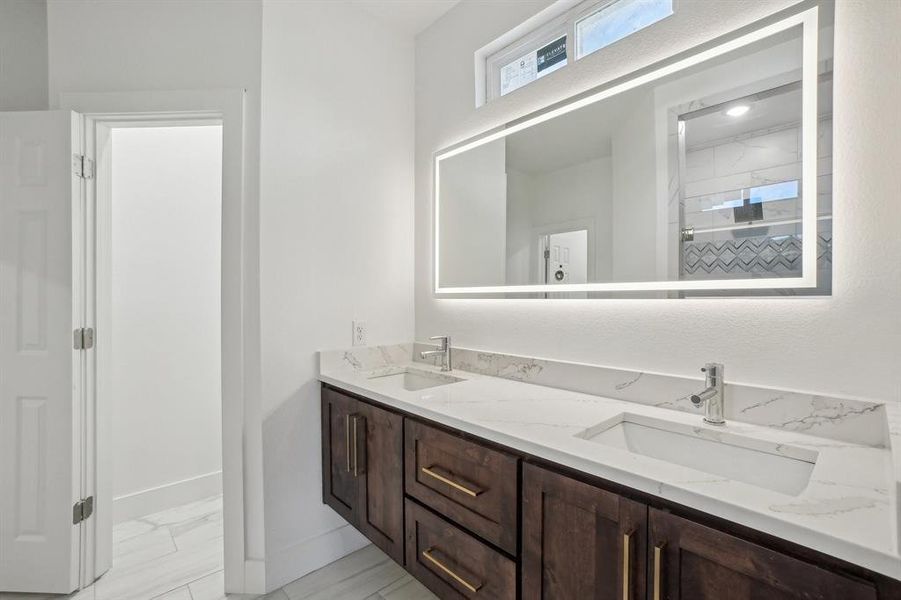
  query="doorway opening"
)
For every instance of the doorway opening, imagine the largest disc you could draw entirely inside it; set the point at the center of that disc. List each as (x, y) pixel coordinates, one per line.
(159, 397)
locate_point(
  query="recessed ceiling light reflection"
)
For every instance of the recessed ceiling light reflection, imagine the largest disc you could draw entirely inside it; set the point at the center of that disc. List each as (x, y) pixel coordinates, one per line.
(738, 110)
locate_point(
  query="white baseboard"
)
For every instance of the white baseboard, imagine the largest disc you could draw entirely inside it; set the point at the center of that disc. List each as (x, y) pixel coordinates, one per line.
(293, 562)
(254, 577)
(170, 495)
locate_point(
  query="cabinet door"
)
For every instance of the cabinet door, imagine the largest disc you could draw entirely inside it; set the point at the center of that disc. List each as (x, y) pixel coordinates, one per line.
(340, 488)
(579, 541)
(693, 562)
(380, 470)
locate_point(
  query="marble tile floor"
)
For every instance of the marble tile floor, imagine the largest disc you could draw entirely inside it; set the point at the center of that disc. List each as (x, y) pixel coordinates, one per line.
(177, 555)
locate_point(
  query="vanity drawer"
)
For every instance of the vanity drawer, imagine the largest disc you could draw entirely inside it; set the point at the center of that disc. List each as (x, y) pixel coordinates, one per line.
(452, 563)
(468, 483)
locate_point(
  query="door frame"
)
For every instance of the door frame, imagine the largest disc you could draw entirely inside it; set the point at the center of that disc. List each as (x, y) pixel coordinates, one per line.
(239, 325)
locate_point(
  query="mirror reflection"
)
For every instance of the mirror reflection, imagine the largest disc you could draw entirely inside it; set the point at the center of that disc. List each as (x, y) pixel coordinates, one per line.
(693, 176)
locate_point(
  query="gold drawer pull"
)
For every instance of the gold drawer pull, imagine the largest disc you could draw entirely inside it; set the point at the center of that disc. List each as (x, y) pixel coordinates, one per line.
(427, 554)
(627, 569)
(459, 487)
(658, 551)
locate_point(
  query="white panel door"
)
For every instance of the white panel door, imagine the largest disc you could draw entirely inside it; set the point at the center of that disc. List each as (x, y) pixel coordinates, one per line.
(40, 376)
(568, 258)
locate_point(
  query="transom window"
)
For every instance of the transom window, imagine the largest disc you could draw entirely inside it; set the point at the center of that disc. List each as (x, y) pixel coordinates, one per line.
(582, 29)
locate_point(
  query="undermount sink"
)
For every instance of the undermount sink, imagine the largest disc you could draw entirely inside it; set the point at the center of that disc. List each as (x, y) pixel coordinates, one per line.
(778, 467)
(415, 379)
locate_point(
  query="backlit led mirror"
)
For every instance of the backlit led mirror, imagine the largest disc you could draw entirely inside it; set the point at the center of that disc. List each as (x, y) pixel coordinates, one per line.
(707, 176)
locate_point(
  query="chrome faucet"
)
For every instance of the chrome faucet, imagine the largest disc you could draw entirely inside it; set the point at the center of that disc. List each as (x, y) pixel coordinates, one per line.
(712, 396)
(444, 349)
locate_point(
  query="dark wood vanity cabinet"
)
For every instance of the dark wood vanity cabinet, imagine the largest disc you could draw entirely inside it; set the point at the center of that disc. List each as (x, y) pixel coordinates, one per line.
(579, 541)
(362, 468)
(477, 520)
(689, 561)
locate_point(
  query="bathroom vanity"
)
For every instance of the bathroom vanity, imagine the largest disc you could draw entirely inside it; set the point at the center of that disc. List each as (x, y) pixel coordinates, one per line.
(485, 487)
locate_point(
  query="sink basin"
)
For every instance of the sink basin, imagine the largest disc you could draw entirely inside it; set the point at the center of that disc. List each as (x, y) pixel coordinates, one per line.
(414, 379)
(778, 467)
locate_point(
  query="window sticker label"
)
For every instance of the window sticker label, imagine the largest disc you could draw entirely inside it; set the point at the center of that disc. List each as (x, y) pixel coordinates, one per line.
(531, 66)
(551, 57)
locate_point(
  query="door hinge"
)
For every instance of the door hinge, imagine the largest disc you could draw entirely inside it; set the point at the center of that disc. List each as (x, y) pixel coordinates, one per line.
(82, 166)
(83, 339)
(82, 510)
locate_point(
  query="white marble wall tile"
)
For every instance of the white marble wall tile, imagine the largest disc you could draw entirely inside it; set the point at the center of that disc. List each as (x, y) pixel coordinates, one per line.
(824, 139)
(699, 164)
(776, 174)
(755, 153)
(777, 210)
(763, 176)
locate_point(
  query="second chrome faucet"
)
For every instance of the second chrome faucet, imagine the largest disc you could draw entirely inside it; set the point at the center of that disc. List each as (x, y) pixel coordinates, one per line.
(713, 395)
(444, 350)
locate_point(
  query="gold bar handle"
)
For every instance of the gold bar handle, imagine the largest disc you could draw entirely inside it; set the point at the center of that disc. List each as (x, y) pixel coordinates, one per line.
(347, 440)
(457, 486)
(627, 567)
(427, 554)
(359, 445)
(356, 456)
(658, 559)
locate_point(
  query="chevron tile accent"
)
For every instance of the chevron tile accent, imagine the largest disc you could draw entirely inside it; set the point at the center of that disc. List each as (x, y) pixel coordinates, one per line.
(771, 255)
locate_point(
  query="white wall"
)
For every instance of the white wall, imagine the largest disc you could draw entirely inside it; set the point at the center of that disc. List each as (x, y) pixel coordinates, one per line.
(165, 331)
(337, 239)
(846, 344)
(23, 55)
(634, 214)
(474, 217)
(576, 196)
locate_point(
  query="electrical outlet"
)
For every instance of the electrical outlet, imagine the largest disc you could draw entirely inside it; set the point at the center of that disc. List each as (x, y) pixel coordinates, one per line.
(359, 333)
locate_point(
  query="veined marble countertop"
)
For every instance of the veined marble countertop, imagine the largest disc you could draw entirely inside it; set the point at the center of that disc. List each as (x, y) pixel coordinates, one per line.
(848, 510)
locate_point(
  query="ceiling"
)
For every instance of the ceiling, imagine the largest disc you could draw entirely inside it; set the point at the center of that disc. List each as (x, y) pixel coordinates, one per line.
(772, 111)
(409, 17)
(573, 138)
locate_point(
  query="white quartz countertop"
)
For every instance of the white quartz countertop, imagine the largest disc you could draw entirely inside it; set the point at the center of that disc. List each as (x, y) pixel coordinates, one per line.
(849, 509)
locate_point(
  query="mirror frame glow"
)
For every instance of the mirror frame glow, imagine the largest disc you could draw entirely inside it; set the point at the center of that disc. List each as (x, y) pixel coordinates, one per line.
(808, 20)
